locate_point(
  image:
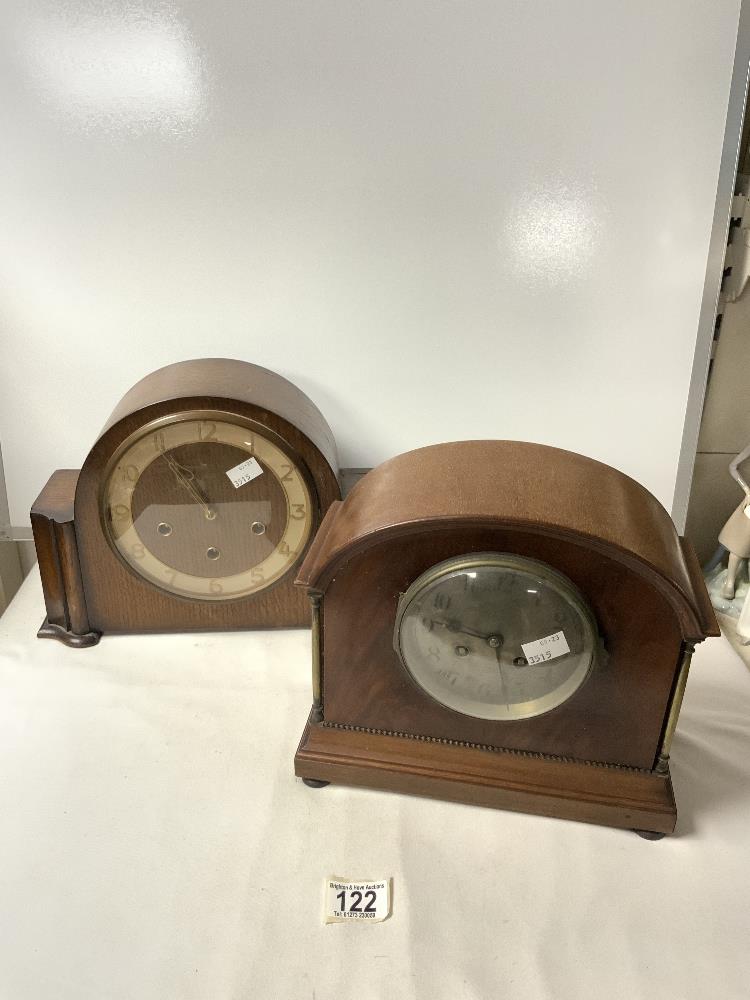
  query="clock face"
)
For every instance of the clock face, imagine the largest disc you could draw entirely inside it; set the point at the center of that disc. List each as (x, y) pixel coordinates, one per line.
(495, 636)
(206, 507)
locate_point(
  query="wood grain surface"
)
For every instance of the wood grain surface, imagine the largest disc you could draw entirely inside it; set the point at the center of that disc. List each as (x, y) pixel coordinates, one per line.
(522, 485)
(599, 755)
(116, 598)
(631, 800)
(617, 714)
(230, 379)
(59, 564)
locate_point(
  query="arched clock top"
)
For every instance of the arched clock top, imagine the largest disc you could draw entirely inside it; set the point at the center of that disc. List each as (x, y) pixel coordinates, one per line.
(229, 379)
(193, 509)
(522, 486)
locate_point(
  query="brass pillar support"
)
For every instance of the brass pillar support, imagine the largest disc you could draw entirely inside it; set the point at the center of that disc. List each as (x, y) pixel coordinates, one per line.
(662, 762)
(317, 657)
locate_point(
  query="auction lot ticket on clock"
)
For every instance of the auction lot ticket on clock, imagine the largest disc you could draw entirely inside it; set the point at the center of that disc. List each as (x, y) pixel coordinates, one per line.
(356, 899)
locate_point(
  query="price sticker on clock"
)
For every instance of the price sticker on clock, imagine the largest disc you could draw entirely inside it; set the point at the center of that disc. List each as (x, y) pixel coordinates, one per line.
(245, 472)
(362, 900)
(548, 648)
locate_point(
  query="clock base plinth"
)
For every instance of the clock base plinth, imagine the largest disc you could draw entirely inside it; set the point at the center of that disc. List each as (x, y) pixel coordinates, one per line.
(590, 793)
(49, 630)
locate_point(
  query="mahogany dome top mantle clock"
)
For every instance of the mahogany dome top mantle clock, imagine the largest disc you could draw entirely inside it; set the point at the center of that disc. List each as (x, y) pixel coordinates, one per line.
(505, 624)
(191, 511)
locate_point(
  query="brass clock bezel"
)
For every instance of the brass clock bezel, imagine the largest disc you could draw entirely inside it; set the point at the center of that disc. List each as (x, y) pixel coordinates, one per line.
(226, 416)
(565, 587)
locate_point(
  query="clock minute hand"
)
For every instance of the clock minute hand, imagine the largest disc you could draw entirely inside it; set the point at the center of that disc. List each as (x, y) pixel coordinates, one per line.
(194, 493)
(503, 685)
(184, 480)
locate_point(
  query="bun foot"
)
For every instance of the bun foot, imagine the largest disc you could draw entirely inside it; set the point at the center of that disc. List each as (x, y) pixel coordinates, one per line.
(314, 783)
(649, 834)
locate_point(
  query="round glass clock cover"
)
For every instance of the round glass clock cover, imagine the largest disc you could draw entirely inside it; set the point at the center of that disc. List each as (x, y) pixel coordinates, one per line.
(206, 507)
(496, 636)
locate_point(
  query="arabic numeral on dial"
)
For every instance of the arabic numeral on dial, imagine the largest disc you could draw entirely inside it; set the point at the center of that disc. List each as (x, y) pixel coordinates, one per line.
(207, 431)
(434, 653)
(287, 477)
(130, 473)
(256, 575)
(215, 587)
(298, 511)
(121, 512)
(285, 550)
(138, 551)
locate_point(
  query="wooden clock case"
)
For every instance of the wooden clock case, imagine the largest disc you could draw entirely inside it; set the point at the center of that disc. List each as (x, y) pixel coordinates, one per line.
(88, 590)
(602, 756)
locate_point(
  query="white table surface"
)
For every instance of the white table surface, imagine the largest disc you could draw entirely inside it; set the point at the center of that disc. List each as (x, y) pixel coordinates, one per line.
(154, 843)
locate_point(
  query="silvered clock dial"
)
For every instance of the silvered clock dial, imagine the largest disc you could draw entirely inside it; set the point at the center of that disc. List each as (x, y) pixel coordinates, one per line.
(496, 636)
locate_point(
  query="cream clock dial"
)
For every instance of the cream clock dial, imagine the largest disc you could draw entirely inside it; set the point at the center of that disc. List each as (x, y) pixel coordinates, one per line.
(206, 508)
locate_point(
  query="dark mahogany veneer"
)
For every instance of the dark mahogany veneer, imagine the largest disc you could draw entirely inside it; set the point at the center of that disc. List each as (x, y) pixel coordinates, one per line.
(598, 757)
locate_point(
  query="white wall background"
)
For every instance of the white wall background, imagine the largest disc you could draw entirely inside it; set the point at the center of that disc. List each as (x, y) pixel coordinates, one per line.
(442, 220)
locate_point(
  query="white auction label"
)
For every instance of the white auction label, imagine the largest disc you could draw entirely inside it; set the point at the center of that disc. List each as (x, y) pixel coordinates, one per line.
(245, 472)
(357, 899)
(548, 648)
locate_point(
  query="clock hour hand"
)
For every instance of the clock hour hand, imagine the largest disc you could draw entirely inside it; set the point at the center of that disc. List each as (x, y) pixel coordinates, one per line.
(186, 480)
(493, 638)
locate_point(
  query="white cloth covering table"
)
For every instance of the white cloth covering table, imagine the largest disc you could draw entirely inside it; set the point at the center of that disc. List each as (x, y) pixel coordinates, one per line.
(155, 845)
